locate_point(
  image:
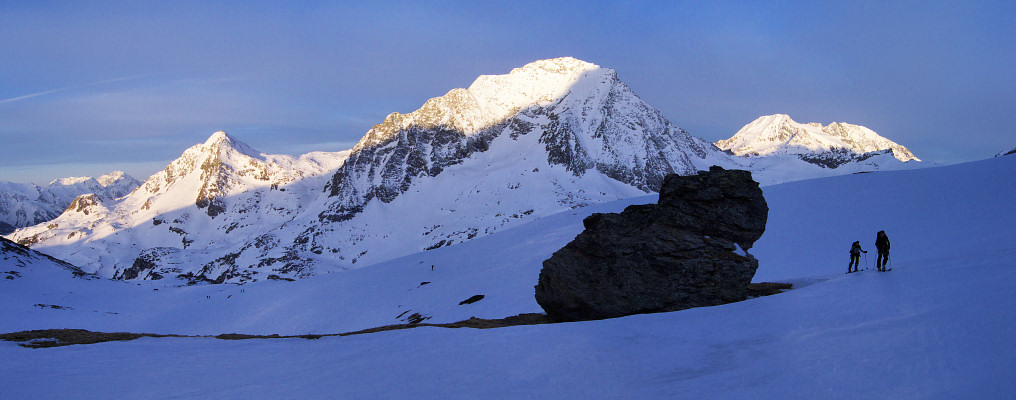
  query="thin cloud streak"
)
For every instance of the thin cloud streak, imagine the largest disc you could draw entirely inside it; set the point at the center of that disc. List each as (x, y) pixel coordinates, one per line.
(68, 88)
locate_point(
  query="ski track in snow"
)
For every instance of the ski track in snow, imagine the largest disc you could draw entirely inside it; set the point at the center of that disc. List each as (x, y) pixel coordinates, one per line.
(940, 325)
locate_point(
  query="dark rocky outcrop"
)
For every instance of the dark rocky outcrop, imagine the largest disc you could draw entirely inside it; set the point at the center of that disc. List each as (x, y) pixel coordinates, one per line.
(84, 203)
(145, 265)
(687, 251)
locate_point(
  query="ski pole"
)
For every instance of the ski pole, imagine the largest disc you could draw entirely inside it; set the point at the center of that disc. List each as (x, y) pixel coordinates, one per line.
(866, 261)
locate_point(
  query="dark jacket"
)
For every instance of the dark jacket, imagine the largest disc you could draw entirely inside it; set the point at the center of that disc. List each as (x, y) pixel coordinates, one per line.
(882, 242)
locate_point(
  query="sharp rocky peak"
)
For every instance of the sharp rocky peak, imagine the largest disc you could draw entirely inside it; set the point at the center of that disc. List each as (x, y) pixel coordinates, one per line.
(582, 116)
(223, 141)
(215, 164)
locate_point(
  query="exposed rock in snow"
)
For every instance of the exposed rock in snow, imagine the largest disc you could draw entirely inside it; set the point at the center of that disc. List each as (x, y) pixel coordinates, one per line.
(677, 254)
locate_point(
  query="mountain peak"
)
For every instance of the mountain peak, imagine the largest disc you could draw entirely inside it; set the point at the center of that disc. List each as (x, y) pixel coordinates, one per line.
(218, 137)
(491, 99)
(222, 140)
(575, 114)
(779, 134)
(561, 65)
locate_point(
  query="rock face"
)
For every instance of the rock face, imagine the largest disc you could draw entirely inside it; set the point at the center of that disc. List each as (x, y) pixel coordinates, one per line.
(687, 251)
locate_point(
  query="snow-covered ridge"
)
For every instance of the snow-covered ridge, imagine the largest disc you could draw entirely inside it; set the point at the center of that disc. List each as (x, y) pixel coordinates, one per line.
(779, 135)
(537, 84)
(491, 99)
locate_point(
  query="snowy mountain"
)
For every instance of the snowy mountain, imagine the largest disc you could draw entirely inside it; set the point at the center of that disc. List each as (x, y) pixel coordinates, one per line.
(180, 216)
(118, 184)
(939, 325)
(829, 146)
(583, 117)
(26, 204)
(550, 136)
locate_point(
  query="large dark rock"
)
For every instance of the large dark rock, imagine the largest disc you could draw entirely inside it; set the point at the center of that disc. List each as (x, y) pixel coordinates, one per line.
(678, 254)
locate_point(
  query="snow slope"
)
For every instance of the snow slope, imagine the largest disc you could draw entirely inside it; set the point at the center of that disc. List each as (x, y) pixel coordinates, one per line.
(938, 326)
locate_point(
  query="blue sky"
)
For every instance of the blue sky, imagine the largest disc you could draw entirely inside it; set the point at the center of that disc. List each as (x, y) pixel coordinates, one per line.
(90, 87)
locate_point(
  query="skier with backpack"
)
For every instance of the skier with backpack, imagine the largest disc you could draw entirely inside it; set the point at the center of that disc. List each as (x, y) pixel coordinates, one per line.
(855, 256)
(882, 244)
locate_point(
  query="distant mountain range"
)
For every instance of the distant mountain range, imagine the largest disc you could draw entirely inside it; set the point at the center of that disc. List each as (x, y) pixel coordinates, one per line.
(26, 204)
(544, 138)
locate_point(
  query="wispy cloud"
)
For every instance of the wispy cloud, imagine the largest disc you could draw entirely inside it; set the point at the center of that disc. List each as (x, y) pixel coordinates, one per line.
(68, 88)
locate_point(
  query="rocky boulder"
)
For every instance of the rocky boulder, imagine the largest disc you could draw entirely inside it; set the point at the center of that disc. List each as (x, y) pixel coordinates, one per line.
(686, 251)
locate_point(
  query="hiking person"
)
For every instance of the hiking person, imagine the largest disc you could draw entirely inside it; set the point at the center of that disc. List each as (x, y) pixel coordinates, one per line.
(855, 256)
(882, 244)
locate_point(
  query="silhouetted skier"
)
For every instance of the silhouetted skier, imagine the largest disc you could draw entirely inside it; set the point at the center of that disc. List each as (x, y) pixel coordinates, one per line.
(882, 244)
(855, 256)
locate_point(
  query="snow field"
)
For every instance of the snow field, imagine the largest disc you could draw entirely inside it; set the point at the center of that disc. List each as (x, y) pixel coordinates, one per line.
(938, 326)
(852, 336)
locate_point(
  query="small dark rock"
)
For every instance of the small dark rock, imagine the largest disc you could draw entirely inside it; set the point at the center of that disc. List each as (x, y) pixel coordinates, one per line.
(416, 318)
(471, 300)
(279, 278)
